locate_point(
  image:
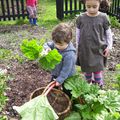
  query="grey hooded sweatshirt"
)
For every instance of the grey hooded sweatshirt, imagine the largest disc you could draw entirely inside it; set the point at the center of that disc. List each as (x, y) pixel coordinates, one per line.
(66, 67)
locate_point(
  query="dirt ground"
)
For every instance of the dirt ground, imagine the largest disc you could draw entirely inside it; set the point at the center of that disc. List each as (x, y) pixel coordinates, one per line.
(25, 77)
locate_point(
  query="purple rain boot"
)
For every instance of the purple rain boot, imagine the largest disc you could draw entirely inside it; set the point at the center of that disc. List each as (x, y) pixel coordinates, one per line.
(100, 83)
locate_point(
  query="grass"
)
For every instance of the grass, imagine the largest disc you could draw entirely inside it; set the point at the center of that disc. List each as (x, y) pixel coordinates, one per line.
(46, 15)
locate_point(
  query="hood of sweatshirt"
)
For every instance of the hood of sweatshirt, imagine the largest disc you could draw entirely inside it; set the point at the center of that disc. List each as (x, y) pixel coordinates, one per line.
(69, 48)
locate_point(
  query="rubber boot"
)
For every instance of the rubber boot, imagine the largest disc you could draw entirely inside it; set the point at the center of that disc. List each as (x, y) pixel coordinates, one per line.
(30, 21)
(34, 21)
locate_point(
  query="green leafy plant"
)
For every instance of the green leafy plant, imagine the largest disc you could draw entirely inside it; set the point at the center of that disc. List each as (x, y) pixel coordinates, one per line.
(73, 116)
(118, 75)
(114, 22)
(79, 86)
(50, 60)
(3, 87)
(3, 117)
(96, 102)
(33, 51)
(4, 53)
(3, 98)
(118, 80)
(104, 104)
(36, 109)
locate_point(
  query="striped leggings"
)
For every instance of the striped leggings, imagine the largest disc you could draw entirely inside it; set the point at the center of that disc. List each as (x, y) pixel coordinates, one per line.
(95, 77)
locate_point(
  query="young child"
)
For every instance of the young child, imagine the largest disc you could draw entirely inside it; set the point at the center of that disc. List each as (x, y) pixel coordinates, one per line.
(61, 40)
(31, 8)
(94, 41)
(104, 5)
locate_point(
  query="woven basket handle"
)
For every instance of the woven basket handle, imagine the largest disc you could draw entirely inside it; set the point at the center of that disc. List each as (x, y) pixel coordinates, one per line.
(48, 88)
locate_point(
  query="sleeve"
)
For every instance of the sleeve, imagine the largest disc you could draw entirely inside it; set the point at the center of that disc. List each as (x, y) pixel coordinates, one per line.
(78, 22)
(49, 45)
(77, 36)
(109, 38)
(68, 64)
(106, 23)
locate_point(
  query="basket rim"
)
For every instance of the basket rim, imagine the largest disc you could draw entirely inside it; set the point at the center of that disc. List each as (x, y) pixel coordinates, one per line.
(69, 104)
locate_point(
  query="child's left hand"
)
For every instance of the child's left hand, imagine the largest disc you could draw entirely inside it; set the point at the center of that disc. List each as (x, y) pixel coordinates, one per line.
(106, 52)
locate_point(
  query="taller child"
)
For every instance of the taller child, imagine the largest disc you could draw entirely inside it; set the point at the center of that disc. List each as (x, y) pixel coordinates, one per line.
(94, 41)
(32, 11)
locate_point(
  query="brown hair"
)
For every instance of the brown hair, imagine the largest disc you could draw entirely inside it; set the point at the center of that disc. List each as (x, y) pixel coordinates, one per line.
(104, 5)
(62, 33)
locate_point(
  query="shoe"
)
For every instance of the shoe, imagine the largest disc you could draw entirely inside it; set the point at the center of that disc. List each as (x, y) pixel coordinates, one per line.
(100, 83)
(90, 81)
(35, 21)
(31, 21)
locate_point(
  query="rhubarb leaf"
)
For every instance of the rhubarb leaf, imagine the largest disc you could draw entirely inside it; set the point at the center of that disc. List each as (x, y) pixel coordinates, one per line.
(37, 109)
(50, 60)
(31, 49)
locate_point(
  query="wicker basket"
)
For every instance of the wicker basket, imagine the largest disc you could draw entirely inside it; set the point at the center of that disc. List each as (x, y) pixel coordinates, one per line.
(55, 96)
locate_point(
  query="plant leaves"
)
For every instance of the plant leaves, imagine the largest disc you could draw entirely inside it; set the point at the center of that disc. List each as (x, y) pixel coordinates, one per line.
(77, 85)
(36, 109)
(31, 49)
(73, 116)
(50, 60)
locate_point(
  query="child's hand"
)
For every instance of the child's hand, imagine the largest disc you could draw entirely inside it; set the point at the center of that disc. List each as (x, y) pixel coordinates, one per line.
(48, 49)
(57, 84)
(106, 52)
(45, 51)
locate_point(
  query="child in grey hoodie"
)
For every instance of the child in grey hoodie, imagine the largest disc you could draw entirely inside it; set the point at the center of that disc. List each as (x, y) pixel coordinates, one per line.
(61, 40)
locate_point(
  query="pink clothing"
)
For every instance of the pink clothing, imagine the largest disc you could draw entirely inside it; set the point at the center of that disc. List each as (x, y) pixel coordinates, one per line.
(31, 3)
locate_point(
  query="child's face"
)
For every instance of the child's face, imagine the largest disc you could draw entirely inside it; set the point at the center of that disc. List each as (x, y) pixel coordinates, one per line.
(92, 7)
(61, 46)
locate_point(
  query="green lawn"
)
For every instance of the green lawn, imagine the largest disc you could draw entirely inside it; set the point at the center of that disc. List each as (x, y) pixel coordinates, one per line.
(46, 15)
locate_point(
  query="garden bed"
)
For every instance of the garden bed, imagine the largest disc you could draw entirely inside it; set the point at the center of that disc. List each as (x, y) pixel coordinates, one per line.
(26, 76)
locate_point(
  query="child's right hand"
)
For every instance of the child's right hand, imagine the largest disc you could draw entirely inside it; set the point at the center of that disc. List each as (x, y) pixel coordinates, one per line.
(57, 83)
(48, 49)
(106, 52)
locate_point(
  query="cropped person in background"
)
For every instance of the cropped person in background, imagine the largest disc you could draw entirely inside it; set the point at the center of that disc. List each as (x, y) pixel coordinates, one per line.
(94, 41)
(32, 11)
